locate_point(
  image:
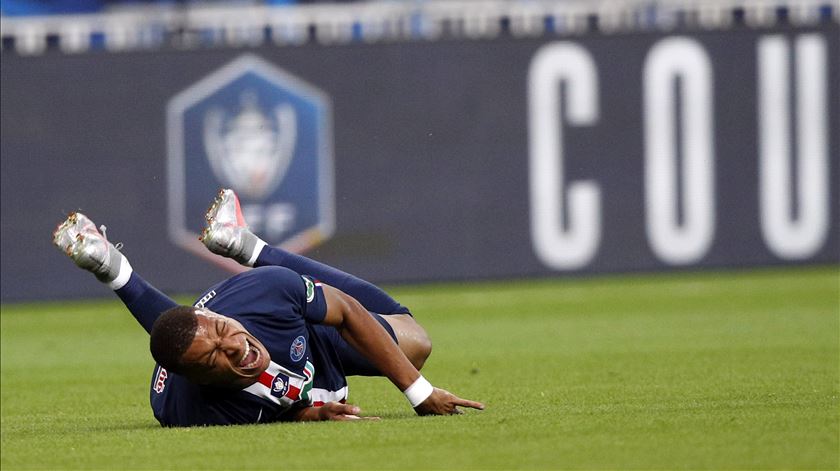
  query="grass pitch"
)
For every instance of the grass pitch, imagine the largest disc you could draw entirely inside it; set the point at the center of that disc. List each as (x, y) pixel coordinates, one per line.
(692, 371)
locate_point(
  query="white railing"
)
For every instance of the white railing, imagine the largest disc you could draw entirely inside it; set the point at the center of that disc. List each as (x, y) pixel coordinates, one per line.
(200, 26)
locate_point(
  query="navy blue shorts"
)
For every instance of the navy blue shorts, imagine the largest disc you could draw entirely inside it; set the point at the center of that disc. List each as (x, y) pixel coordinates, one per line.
(339, 357)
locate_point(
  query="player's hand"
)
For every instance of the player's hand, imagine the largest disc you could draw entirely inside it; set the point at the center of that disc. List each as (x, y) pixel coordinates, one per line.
(443, 402)
(339, 411)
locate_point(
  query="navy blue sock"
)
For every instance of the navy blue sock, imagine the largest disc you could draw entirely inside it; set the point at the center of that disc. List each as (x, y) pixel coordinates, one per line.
(144, 301)
(373, 298)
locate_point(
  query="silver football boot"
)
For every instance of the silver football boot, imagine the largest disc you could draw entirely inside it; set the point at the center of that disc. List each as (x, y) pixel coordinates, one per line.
(89, 249)
(227, 233)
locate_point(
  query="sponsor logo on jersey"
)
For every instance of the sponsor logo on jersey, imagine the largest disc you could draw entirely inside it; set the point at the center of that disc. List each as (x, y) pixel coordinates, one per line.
(310, 289)
(204, 299)
(266, 134)
(160, 382)
(298, 348)
(280, 385)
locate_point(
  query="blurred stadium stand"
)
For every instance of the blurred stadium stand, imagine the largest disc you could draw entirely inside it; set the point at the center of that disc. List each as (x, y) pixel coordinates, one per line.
(33, 27)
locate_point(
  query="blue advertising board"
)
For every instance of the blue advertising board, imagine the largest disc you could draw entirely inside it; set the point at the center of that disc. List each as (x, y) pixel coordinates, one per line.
(443, 160)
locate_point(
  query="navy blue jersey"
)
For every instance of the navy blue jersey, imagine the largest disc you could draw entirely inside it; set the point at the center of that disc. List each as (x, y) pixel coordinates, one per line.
(283, 310)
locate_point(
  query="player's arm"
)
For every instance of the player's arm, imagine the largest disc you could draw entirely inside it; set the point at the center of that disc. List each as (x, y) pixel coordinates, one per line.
(370, 339)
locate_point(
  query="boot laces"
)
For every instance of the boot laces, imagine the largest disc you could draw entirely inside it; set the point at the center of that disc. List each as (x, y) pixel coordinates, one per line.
(104, 230)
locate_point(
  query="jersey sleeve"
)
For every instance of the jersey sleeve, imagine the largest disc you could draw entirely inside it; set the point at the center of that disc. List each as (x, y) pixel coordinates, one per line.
(315, 308)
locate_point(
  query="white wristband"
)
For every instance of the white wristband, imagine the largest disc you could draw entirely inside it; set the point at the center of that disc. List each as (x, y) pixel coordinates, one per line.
(419, 391)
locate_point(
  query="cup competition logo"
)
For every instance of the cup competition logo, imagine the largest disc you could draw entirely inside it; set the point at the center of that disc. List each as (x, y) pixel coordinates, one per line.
(266, 134)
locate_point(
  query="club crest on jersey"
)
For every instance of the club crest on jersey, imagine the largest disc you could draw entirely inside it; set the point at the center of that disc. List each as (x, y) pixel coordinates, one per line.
(266, 134)
(298, 348)
(280, 385)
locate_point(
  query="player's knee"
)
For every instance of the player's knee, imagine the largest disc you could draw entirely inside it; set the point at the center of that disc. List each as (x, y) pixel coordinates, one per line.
(422, 348)
(411, 337)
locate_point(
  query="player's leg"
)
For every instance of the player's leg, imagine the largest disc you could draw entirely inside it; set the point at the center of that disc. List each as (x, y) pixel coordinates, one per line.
(90, 250)
(401, 328)
(144, 301)
(372, 297)
(227, 234)
(411, 337)
(396, 318)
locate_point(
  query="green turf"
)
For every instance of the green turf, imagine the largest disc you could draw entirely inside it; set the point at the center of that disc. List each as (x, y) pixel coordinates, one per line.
(654, 372)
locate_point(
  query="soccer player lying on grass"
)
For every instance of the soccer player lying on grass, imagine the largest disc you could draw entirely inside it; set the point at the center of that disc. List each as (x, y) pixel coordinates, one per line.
(269, 344)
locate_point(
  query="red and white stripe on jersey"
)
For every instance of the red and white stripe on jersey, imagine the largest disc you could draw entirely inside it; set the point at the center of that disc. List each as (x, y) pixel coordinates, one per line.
(262, 388)
(317, 396)
(322, 396)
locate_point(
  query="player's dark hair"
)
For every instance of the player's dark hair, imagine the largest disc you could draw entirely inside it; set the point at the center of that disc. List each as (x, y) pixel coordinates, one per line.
(172, 334)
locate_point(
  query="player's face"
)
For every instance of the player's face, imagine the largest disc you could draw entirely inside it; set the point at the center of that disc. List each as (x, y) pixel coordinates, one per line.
(223, 353)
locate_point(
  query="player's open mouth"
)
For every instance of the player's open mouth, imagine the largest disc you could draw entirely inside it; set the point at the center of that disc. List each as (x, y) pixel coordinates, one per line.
(251, 357)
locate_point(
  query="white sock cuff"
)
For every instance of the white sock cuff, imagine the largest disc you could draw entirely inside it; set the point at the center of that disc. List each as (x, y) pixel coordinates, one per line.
(257, 249)
(123, 276)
